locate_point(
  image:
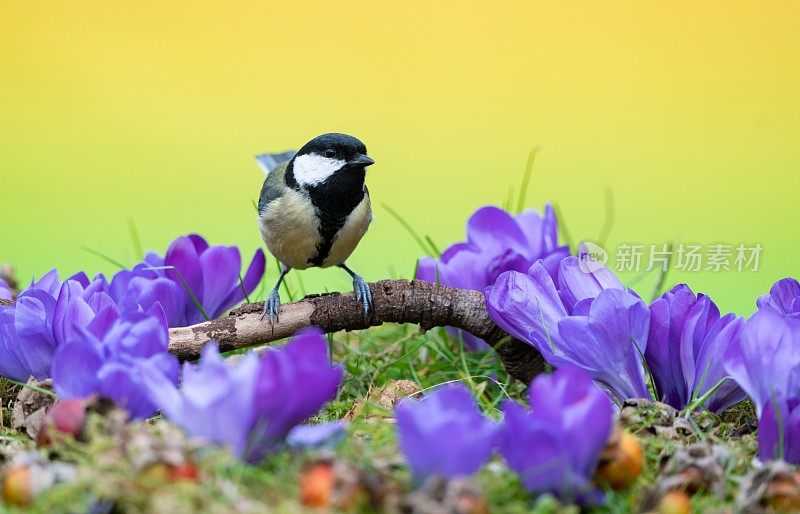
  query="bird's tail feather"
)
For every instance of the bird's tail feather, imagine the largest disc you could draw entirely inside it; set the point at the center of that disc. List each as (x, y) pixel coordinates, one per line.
(269, 161)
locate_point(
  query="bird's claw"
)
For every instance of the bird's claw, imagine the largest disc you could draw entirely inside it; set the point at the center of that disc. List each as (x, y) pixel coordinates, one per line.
(272, 305)
(363, 293)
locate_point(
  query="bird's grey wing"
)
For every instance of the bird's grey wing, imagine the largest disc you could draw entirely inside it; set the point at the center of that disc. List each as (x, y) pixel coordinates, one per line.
(269, 161)
(273, 187)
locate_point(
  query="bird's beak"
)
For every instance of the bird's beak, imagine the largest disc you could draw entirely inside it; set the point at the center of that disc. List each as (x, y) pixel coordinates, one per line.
(362, 160)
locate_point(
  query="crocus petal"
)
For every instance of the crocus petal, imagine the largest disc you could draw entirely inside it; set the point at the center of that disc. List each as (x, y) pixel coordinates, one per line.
(608, 342)
(663, 354)
(200, 244)
(323, 435)
(293, 385)
(783, 297)
(426, 270)
(555, 447)
(12, 365)
(567, 399)
(48, 283)
(710, 364)
(527, 307)
(220, 266)
(75, 368)
(576, 283)
(445, 433)
(493, 229)
(185, 258)
(770, 431)
(763, 360)
(33, 321)
(255, 271)
(533, 227)
(699, 321)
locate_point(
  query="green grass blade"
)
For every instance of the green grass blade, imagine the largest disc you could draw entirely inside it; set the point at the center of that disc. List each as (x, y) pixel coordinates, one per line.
(136, 241)
(32, 387)
(420, 241)
(562, 226)
(98, 253)
(526, 179)
(608, 223)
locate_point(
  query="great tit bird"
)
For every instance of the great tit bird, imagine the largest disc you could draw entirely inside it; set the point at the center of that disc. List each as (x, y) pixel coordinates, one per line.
(314, 209)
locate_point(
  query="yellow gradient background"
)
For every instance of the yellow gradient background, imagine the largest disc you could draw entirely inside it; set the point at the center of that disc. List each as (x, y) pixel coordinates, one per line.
(688, 111)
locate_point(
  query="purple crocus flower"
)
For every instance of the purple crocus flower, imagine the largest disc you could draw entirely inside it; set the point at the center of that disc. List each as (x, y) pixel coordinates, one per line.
(590, 321)
(211, 273)
(772, 433)
(445, 433)
(556, 445)
(783, 297)
(318, 436)
(685, 349)
(109, 356)
(765, 359)
(496, 242)
(252, 406)
(42, 318)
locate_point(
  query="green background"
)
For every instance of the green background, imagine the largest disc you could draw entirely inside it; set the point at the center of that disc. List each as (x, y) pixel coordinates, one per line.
(687, 111)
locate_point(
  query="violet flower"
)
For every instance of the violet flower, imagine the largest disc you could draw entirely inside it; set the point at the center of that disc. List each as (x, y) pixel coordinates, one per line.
(555, 446)
(42, 318)
(445, 433)
(772, 433)
(685, 349)
(590, 321)
(252, 406)
(318, 436)
(496, 242)
(109, 357)
(211, 273)
(765, 359)
(783, 297)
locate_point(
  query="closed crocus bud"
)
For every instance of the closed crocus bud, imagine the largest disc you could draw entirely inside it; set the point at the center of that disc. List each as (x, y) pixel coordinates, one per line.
(66, 417)
(316, 485)
(622, 461)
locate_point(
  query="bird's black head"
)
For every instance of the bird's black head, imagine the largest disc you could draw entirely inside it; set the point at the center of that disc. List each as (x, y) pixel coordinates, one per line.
(329, 154)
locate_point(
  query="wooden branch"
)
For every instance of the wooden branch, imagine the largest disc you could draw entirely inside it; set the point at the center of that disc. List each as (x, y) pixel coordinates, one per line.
(396, 301)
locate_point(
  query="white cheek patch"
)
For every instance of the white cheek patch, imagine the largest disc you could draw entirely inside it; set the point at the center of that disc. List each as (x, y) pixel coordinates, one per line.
(312, 169)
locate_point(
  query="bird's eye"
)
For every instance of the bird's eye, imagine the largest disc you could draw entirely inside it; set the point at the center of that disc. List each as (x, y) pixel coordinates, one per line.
(330, 153)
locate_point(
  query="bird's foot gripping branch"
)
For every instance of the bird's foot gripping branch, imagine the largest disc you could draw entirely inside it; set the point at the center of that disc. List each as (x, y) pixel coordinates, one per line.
(394, 301)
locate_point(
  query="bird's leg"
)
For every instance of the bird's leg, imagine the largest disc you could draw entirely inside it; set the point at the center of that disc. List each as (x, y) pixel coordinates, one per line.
(360, 287)
(273, 302)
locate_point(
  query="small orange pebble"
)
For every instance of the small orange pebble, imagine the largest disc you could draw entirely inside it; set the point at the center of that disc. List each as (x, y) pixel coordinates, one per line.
(316, 485)
(675, 502)
(17, 487)
(621, 462)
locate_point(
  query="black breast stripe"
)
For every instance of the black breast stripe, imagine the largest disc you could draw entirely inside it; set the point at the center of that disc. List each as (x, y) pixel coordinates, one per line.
(334, 200)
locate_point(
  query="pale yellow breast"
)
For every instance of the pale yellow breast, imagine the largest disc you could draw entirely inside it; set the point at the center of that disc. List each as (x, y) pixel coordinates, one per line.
(289, 228)
(350, 234)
